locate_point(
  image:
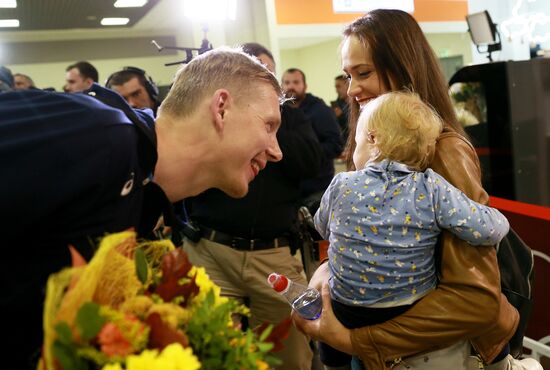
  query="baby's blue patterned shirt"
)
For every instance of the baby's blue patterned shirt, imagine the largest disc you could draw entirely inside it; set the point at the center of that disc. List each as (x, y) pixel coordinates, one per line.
(383, 222)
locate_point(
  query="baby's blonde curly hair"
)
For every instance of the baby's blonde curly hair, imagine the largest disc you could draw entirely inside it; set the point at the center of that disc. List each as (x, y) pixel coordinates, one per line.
(405, 129)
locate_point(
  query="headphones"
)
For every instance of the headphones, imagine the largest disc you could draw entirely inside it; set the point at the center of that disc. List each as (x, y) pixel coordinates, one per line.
(150, 85)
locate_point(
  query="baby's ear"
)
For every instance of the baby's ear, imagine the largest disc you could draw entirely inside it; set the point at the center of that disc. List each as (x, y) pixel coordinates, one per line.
(371, 138)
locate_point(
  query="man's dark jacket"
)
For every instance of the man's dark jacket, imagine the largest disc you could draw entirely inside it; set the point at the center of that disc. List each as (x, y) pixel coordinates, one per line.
(326, 127)
(73, 169)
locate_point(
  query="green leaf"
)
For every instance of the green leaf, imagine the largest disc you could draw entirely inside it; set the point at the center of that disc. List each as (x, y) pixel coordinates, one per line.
(265, 333)
(67, 357)
(265, 347)
(142, 269)
(88, 320)
(64, 334)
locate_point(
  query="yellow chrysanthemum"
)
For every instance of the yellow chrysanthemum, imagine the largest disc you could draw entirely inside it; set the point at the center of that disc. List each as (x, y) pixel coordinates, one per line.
(146, 360)
(115, 366)
(205, 285)
(173, 357)
(262, 365)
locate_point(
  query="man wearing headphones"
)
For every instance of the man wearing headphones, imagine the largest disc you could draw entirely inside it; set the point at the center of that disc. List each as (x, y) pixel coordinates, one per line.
(136, 87)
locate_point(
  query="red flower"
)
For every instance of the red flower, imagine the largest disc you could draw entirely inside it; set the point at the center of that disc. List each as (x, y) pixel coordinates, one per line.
(162, 334)
(175, 266)
(113, 342)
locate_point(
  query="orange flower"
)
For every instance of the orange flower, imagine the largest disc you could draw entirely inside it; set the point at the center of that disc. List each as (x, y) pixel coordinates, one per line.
(113, 342)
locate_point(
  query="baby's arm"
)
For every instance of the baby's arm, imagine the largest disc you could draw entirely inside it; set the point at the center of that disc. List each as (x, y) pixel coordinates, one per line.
(473, 222)
(322, 216)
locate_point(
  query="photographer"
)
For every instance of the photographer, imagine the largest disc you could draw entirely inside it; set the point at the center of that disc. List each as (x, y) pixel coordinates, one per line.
(136, 87)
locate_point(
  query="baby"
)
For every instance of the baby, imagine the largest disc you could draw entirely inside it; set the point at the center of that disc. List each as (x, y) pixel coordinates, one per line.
(383, 220)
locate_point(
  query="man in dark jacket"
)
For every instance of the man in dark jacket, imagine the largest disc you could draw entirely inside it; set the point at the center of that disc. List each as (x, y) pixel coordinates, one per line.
(340, 106)
(243, 240)
(77, 166)
(326, 127)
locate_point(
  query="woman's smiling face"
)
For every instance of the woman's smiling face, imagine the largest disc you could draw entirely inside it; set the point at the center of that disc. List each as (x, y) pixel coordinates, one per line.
(364, 83)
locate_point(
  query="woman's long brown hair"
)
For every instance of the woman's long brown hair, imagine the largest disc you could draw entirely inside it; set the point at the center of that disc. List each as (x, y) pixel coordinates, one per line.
(403, 59)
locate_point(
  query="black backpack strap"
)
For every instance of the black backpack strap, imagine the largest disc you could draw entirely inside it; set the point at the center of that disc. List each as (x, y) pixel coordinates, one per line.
(155, 203)
(516, 265)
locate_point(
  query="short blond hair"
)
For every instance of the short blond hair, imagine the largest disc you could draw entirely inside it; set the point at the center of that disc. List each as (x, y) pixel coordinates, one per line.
(405, 128)
(227, 68)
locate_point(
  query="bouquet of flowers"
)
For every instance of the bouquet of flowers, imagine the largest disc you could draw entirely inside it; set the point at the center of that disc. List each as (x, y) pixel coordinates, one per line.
(144, 306)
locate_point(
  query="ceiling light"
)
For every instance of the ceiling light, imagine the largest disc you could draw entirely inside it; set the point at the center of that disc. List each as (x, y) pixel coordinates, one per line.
(129, 3)
(9, 22)
(114, 21)
(8, 4)
(210, 9)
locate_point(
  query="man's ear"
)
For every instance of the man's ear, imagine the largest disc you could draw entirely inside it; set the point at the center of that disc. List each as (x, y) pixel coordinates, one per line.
(89, 82)
(219, 103)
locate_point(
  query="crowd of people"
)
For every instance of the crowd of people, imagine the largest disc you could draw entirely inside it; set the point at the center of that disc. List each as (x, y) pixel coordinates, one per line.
(227, 168)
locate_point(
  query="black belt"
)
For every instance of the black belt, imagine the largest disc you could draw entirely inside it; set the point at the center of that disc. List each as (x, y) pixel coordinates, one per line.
(242, 243)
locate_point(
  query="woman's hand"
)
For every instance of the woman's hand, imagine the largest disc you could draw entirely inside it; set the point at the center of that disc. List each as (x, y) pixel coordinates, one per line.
(326, 328)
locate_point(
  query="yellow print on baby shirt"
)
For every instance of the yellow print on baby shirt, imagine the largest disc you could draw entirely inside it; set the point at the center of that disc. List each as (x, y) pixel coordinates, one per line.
(367, 182)
(374, 229)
